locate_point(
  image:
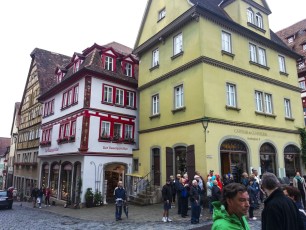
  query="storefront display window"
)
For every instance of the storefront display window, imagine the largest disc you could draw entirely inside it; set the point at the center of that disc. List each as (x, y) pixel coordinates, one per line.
(54, 180)
(292, 160)
(66, 175)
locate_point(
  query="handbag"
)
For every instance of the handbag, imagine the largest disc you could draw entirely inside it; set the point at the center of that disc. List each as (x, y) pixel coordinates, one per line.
(38, 200)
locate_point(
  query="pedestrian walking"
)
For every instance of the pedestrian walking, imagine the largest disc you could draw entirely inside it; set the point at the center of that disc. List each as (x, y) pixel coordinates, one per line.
(40, 195)
(167, 197)
(47, 197)
(34, 195)
(279, 211)
(299, 183)
(120, 199)
(252, 191)
(229, 213)
(195, 191)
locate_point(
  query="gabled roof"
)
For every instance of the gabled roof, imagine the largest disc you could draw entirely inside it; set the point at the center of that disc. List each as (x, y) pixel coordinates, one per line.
(93, 63)
(292, 30)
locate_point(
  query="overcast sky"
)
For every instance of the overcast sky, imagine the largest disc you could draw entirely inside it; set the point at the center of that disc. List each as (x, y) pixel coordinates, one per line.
(66, 26)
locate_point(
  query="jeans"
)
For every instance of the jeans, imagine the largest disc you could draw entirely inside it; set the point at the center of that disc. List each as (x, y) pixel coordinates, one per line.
(195, 212)
(210, 206)
(118, 212)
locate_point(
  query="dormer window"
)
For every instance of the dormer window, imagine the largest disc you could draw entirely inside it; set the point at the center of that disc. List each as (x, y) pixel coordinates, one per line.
(161, 14)
(258, 20)
(290, 39)
(301, 65)
(109, 62)
(59, 76)
(250, 15)
(76, 65)
(304, 47)
(128, 70)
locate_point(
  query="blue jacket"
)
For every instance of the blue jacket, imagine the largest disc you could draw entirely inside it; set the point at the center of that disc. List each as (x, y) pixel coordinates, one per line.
(120, 193)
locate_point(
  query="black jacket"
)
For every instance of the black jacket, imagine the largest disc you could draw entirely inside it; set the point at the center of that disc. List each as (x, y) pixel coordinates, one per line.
(215, 193)
(280, 213)
(195, 193)
(167, 192)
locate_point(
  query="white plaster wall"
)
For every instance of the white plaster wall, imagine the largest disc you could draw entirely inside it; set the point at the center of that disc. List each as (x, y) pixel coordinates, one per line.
(58, 103)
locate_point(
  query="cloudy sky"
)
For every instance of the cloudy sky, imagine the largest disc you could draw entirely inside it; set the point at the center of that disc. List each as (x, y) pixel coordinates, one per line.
(66, 26)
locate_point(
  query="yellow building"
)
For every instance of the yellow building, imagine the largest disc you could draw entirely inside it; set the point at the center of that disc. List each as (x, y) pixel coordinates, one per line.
(215, 61)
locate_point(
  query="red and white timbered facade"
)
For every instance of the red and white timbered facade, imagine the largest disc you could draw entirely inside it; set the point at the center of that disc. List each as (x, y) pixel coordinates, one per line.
(89, 122)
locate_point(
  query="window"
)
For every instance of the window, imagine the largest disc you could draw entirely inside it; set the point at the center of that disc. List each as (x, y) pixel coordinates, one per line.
(162, 14)
(70, 97)
(231, 95)
(108, 94)
(301, 65)
(262, 57)
(128, 132)
(257, 55)
(259, 102)
(135, 164)
(76, 66)
(46, 135)
(117, 131)
(253, 54)
(179, 97)
(108, 63)
(48, 108)
(290, 39)
(282, 65)
(178, 44)
(73, 128)
(59, 76)
(130, 97)
(155, 58)
(105, 129)
(304, 47)
(258, 20)
(250, 15)
(155, 104)
(302, 85)
(288, 113)
(268, 103)
(128, 70)
(119, 96)
(226, 42)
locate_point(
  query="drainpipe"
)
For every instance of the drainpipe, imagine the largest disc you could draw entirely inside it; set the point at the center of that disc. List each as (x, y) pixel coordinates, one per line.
(190, 3)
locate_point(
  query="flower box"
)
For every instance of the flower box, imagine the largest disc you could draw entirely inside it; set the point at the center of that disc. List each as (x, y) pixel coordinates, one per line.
(62, 140)
(45, 143)
(72, 139)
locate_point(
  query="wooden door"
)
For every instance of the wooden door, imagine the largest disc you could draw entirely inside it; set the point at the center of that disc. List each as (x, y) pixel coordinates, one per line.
(156, 167)
(225, 163)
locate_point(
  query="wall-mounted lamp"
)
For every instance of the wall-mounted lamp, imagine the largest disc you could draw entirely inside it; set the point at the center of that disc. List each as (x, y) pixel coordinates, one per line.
(205, 122)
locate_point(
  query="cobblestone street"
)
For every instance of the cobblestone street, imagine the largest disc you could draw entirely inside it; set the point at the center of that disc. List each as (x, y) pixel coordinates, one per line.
(57, 217)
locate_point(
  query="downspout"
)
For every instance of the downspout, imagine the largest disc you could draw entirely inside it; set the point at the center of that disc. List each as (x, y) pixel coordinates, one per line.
(190, 3)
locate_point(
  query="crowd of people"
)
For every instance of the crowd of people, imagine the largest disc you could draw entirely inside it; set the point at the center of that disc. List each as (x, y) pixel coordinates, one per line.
(40, 195)
(231, 202)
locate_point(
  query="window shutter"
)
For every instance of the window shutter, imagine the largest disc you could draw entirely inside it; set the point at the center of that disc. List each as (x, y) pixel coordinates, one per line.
(190, 162)
(169, 162)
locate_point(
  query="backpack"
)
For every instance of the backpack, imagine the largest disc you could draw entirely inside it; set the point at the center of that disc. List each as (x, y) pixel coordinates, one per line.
(184, 192)
(300, 185)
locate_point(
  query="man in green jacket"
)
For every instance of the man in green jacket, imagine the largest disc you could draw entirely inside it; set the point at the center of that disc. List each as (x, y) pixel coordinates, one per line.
(229, 213)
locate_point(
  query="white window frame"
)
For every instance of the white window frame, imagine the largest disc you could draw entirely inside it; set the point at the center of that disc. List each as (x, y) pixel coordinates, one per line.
(128, 69)
(253, 52)
(155, 104)
(108, 94)
(250, 16)
(302, 84)
(287, 105)
(105, 128)
(118, 133)
(130, 99)
(155, 57)
(178, 96)
(109, 63)
(268, 103)
(259, 101)
(262, 60)
(259, 20)
(304, 47)
(290, 39)
(226, 42)
(161, 14)
(231, 95)
(177, 44)
(128, 131)
(119, 96)
(282, 63)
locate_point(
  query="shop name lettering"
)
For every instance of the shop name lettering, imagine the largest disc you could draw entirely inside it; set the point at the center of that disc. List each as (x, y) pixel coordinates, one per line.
(255, 133)
(115, 148)
(48, 150)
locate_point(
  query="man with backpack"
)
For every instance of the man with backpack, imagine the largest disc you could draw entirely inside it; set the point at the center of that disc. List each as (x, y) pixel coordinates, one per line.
(299, 183)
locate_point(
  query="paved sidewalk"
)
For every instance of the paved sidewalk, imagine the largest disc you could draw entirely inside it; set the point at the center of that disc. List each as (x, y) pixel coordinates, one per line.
(137, 214)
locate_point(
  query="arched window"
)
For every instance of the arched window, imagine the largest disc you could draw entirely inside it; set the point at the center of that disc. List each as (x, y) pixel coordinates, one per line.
(267, 158)
(292, 160)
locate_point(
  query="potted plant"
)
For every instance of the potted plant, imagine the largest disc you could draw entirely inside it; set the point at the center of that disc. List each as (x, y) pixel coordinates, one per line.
(72, 138)
(89, 198)
(97, 198)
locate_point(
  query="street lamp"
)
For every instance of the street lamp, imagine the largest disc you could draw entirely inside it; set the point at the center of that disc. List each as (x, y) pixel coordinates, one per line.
(205, 122)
